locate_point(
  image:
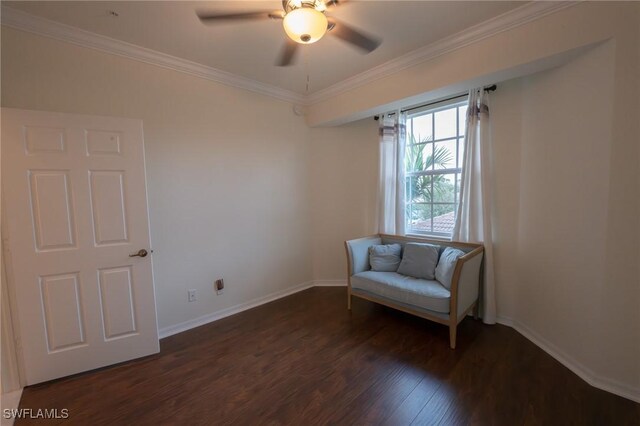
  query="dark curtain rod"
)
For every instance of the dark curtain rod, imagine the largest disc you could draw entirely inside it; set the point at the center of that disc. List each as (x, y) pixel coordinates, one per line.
(491, 88)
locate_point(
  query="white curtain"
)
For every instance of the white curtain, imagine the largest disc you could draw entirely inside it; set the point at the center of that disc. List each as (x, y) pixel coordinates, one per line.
(473, 221)
(391, 203)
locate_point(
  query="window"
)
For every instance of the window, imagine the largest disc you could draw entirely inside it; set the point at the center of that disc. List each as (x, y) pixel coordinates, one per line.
(433, 164)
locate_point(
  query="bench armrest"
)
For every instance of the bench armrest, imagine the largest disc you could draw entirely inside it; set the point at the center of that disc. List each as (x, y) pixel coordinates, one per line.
(465, 285)
(358, 253)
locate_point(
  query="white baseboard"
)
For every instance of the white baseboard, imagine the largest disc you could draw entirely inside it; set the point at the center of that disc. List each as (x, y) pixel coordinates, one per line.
(214, 316)
(10, 401)
(330, 283)
(586, 374)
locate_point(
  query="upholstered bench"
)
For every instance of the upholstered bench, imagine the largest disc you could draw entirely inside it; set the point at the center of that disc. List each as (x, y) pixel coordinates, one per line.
(446, 302)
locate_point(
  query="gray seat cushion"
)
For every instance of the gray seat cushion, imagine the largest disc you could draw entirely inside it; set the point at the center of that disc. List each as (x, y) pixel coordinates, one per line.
(425, 294)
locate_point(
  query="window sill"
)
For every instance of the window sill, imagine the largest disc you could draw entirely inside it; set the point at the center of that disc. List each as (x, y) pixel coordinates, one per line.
(431, 237)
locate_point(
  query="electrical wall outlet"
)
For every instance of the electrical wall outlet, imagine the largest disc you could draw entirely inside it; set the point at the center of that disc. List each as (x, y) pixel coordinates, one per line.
(219, 285)
(192, 295)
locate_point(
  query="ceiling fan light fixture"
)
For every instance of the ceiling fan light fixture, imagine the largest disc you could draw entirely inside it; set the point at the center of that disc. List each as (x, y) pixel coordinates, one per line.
(305, 25)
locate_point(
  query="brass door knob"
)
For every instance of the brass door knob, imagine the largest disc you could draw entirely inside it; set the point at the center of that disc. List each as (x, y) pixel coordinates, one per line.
(140, 253)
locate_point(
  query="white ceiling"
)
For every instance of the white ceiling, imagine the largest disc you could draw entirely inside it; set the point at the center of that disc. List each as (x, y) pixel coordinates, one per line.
(249, 49)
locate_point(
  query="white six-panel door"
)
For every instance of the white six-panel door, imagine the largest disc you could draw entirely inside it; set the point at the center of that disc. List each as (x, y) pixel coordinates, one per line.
(75, 207)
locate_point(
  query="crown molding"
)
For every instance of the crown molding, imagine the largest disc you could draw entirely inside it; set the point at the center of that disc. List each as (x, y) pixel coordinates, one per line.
(529, 12)
(26, 22)
(508, 20)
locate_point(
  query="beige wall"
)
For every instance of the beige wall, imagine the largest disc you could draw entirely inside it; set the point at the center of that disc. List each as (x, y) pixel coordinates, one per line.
(567, 216)
(226, 168)
(565, 176)
(344, 184)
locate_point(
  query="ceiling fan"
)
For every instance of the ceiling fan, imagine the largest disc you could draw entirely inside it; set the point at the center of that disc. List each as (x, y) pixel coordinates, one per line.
(304, 22)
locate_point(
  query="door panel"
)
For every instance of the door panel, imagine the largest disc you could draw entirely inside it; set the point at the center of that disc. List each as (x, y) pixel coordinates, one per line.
(44, 140)
(108, 206)
(116, 297)
(101, 142)
(63, 311)
(75, 208)
(51, 209)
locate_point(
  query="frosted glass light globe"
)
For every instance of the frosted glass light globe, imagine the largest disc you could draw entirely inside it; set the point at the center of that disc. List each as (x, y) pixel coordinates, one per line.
(305, 25)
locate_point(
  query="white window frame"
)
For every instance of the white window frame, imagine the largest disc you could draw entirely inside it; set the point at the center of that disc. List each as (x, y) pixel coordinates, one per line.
(456, 171)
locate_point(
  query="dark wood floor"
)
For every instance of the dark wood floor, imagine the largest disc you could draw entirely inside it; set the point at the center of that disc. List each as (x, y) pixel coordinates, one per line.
(305, 360)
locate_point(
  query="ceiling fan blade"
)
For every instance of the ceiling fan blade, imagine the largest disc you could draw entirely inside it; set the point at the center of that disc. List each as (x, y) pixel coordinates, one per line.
(209, 17)
(353, 36)
(287, 54)
(332, 3)
(278, 14)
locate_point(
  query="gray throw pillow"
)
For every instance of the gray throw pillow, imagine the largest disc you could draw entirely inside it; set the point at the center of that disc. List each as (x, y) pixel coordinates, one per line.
(446, 265)
(385, 258)
(419, 260)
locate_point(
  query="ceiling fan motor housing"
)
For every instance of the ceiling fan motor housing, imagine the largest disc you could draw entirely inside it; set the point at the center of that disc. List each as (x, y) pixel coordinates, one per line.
(289, 5)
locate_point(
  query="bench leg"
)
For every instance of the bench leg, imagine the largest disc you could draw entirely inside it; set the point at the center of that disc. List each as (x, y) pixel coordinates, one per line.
(452, 335)
(476, 311)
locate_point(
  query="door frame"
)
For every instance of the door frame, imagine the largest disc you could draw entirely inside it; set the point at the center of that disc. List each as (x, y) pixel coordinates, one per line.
(10, 334)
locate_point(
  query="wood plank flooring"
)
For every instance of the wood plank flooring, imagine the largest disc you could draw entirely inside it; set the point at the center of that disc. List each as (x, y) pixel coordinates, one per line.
(305, 360)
